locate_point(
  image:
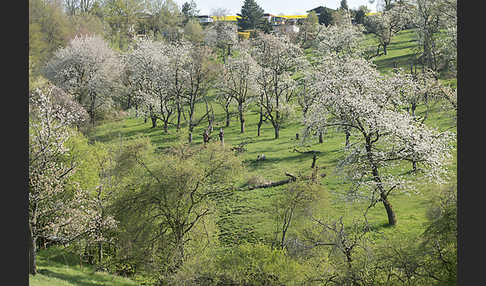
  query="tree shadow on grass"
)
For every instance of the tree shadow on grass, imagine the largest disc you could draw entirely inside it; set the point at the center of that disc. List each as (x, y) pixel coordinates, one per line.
(402, 61)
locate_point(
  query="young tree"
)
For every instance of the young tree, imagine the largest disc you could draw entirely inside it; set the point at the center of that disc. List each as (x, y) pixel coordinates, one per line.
(238, 81)
(297, 201)
(87, 68)
(278, 59)
(353, 94)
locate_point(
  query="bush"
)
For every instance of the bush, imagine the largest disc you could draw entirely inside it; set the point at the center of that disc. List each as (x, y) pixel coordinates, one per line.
(258, 264)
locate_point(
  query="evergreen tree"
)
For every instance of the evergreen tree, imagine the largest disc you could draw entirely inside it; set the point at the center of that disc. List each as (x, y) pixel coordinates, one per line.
(344, 5)
(251, 16)
(189, 10)
(325, 16)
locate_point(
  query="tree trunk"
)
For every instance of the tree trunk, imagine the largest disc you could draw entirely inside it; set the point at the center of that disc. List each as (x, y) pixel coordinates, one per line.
(347, 138)
(392, 220)
(228, 118)
(384, 48)
(376, 177)
(261, 121)
(154, 121)
(242, 118)
(92, 109)
(100, 252)
(320, 137)
(32, 252)
(179, 111)
(277, 131)
(166, 126)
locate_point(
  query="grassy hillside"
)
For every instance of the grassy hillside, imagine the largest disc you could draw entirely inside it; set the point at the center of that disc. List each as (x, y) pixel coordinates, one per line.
(57, 267)
(249, 215)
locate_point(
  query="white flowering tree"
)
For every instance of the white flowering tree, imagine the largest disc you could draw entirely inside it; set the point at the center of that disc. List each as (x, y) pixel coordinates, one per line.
(387, 24)
(55, 213)
(345, 38)
(200, 75)
(222, 35)
(238, 81)
(87, 68)
(177, 75)
(278, 59)
(148, 67)
(417, 88)
(436, 22)
(353, 94)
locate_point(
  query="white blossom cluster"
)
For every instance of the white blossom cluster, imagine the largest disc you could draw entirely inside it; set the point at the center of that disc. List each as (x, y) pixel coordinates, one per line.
(238, 78)
(345, 38)
(278, 61)
(351, 93)
(86, 68)
(52, 208)
(146, 68)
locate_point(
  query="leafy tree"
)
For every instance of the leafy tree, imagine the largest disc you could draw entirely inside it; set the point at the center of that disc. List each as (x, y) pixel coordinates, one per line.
(49, 29)
(76, 7)
(298, 201)
(174, 199)
(251, 16)
(87, 68)
(360, 14)
(352, 94)
(193, 31)
(88, 24)
(259, 264)
(170, 20)
(122, 17)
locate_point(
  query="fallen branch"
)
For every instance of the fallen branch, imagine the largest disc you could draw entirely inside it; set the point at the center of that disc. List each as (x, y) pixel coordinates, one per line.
(292, 178)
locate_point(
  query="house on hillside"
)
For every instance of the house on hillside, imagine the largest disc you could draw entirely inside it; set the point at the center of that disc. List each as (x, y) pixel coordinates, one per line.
(205, 19)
